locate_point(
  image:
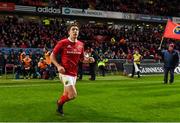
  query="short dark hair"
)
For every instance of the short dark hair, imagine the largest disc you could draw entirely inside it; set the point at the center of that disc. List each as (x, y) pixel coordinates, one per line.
(72, 24)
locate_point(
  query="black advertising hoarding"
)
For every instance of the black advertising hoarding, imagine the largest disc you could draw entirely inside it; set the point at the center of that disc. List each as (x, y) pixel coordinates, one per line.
(149, 68)
(33, 9)
(20, 8)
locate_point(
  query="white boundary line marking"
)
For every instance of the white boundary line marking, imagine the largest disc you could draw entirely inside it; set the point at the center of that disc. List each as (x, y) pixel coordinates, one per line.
(28, 85)
(48, 84)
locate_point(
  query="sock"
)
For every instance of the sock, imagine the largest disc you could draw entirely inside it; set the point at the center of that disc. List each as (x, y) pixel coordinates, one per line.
(63, 99)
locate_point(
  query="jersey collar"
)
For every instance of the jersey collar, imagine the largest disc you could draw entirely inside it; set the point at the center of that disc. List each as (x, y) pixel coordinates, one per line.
(71, 40)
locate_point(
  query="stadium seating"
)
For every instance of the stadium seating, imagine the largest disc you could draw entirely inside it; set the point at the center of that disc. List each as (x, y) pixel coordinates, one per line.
(153, 7)
(113, 41)
(32, 34)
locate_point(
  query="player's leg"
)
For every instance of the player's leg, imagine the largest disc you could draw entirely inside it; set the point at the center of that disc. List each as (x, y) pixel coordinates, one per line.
(69, 92)
(171, 75)
(69, 87)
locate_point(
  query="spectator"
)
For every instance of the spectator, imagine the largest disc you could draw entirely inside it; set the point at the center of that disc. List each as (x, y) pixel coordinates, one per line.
(42, 66)
(27, 67)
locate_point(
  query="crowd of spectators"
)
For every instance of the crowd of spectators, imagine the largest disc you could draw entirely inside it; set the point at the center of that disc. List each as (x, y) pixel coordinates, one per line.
(28, 63)
(113, 41)
(153, 7)
(16, 33)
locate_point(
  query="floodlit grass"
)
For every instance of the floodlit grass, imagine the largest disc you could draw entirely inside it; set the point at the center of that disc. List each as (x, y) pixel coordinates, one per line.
(110, 98)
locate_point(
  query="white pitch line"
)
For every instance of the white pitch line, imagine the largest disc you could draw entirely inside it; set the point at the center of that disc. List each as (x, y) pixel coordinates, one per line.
(47, 84)
(34, 85)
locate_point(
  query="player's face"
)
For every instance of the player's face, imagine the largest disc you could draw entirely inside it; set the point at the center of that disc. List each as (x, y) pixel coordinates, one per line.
(74, 32)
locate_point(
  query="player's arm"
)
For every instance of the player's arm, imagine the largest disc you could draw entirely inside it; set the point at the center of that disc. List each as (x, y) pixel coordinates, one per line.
(55, 62)
(57, 49)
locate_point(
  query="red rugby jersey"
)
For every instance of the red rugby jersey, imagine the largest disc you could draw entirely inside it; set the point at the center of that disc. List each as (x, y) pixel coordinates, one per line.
(71, 53)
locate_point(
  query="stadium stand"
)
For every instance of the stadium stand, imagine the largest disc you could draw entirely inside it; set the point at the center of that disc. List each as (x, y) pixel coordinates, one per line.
(153, 7)
(113, 41)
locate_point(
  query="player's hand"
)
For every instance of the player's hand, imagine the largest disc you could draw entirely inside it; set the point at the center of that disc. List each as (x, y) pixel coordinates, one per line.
(159, 48)
(61, 69)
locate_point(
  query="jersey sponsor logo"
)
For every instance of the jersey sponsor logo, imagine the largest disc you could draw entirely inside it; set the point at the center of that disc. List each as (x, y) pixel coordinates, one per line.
(177, 30)
(73, 52)
(66, 82)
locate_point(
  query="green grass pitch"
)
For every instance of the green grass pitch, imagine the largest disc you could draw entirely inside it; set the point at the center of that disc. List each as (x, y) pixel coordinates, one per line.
(110, 98)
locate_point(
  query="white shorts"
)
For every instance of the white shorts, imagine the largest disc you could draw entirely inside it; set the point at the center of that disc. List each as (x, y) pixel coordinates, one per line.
(67, 80)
